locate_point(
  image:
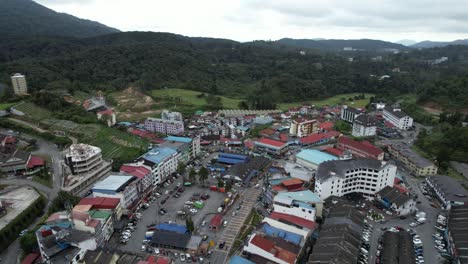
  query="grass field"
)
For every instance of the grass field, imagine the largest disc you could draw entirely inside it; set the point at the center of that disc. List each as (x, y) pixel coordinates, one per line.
(190, 98)
(33, 111)
(4, 106)
(334, 100)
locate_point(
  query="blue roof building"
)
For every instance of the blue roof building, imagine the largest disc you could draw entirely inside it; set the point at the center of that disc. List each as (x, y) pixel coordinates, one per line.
(229, 158)
(157, 155)
(180, 229)
(179, 139)
(311, 158)
(305, 196)
(276, 232)
(239, 260)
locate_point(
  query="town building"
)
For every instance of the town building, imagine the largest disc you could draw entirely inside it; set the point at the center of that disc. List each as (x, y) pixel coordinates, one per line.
(364, 126)
(317, 139)
(85, 165)
(348, 114)
(18, 81)
(360, 149)
(303, 197)
(449, 191)
(301, 127)
(245, 172)
(107, 116)
(143, 173)
(311, 158)
(456, 235)
(362, 176)
(98, 223)
(398, 118)
(189, 144)
(162, 161)
(305, 233)
(170, 123)
(271, 248)
(285, 205)
(298, 171)
(396, 201)
(339, 239)
(270, 146)
(417, 164)
(112, 205)
(124, 187)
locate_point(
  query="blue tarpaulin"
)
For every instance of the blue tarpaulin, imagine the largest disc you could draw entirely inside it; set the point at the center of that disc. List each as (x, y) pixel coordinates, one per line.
(288, 236)
(172, 228)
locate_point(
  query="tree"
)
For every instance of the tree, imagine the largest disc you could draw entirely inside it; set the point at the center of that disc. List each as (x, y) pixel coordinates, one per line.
(228, 186)
(63, 198)
(28, 242)
(203, 174)
(192, 176)
(181, 168)
(243, 105)
(220, 183)
(189, 223)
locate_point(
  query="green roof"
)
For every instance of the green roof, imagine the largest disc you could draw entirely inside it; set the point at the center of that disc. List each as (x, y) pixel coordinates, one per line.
(100, 214)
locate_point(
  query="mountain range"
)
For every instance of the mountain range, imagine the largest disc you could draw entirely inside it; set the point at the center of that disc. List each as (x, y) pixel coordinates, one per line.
(23, 18)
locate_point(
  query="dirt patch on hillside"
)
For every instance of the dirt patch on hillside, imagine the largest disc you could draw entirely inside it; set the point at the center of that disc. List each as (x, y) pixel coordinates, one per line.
(435, 109)
(134, 100)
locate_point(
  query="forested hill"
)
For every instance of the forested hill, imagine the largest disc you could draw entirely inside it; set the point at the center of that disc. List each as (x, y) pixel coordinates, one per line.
(268, 71)
(28, 18)
(340, 44)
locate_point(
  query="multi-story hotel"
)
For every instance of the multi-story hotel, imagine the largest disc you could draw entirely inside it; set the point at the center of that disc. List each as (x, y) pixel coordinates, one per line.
(19, 84)
(364, 126)
(364, 176)
(301, 127)
(170, 123)
(396, 117)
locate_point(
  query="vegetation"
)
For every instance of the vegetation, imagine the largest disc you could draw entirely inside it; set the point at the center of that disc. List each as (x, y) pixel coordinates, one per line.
(4, 106)
(203, 174)
(358, 100)
(10, 232)
(24, 17)
(260, 74)
(59, 141)
(193, 175)
(43, 177)
(343, 127)
(445, 142)
(181, 168)
(62, 200)
(189, 223)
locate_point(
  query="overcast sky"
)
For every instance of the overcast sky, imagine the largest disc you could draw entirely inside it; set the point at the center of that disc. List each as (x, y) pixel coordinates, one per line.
(246, 20)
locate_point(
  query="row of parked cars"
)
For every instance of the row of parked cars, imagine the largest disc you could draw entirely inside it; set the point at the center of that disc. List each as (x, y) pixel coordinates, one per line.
(365, 246)
(439, 239)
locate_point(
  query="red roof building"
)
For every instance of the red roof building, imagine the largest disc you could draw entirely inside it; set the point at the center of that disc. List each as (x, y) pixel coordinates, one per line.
(334, 151)
(284, 137)
(271, 146)
(31, 258)
(100, 202)
(362, 149)
(315, 139)
(326, 125)
(34, 162)
(293, 220)
(274, 252)
(137, 171)
(292, 184)
(249, 144)
(267, 132)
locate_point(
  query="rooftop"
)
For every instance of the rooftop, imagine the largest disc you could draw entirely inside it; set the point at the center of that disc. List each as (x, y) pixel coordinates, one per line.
(306, 196)
(137, 171)
(293, 220)
(314, 156)
(395, 111)
(18, 199)
(450, 188)
(407, 152)
(365, 120)
(364, 146)
(100, 202)
(339, 167)
(179, 139)
(113, 183)
(80, 152)
(271, 142)
(314, 138)
(157, 155)
(393, 195)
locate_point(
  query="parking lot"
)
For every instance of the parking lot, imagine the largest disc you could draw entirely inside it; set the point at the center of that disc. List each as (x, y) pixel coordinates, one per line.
(424, 231)
(152, 214)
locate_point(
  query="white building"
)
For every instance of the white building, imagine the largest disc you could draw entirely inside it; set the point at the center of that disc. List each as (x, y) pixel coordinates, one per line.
(162, 161)
(397, 202)
(167, 127)
(289, 206)
(397, 118)
(301, 127)
(364, 176)
(124, 187)
(364, 126)
(108, 116)
(290, 228)
(18, 81)
(171, 116)
(86, 167)
(348, 114)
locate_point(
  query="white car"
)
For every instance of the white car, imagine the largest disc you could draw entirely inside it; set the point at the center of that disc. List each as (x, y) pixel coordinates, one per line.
(182, 257)
(156, 251)
(166, 192)
(188, 203)
(193, 211)
(413, 224)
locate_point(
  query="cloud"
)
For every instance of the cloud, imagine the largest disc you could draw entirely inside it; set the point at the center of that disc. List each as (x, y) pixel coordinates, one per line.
(246, 20)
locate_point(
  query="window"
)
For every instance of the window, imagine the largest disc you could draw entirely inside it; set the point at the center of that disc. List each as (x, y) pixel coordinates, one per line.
(303, 210)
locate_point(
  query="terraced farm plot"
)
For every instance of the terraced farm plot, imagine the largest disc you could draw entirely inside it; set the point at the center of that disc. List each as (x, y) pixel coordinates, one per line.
(190, 98)
(33, 111)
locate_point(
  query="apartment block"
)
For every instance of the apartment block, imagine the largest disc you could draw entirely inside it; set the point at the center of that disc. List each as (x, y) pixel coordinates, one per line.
(18, 81)
(417, 164)
(398, 118)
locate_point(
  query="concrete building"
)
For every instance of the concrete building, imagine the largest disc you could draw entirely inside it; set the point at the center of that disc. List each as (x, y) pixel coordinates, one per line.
(86, 167)
(417, 164)
(162, 161)
(299, 172)
(270, 249)
(18, 81)
(192, 144)
(305, 196)
(285, 205)
(348, 114)
(398, 118)
(397, 202)
(449, 191)
(144, 174)
(311, 158)
(124, 187)
(301, 127)
(363, 176)
(271, 146)
(364, 126)
(360, 149)
(171, 116)
(170, 123)
(107, 116)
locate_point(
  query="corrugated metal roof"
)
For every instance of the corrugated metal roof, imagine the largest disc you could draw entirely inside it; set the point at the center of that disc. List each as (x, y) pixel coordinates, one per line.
(172, 228)
(157, 155)
(277, 232)
(314, 156)
(240, 260)
(112, 182)
(306, 196)
(179, 139)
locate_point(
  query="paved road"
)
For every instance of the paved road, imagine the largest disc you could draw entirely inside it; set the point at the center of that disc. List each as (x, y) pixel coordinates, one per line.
(230, 233)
